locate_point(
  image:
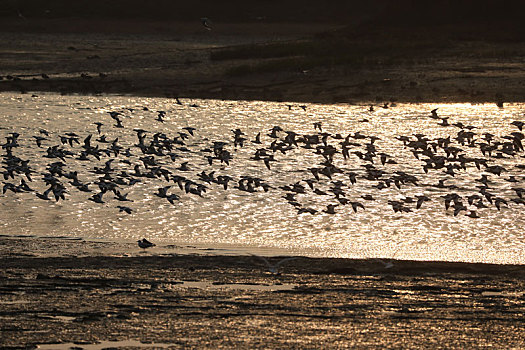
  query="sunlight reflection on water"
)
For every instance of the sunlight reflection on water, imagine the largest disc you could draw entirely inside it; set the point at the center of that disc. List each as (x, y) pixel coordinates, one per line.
(265, 219)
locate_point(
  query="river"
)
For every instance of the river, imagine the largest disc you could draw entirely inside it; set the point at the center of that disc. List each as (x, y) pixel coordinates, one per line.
(249, 216)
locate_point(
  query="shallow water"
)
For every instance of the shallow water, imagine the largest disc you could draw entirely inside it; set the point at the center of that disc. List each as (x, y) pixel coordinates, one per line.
(265, 219)
(105, 345)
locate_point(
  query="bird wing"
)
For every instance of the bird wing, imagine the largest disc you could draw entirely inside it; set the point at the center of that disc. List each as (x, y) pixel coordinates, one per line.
(263, 259)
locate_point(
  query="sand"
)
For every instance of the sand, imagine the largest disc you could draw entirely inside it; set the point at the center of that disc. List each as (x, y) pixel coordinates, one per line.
(62, 291)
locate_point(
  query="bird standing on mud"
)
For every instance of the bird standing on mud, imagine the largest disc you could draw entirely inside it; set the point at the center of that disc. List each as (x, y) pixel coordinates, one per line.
(145, 244)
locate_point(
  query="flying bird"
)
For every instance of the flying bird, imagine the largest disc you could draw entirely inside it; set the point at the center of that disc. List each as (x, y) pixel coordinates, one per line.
(125, 209)
(273, 268)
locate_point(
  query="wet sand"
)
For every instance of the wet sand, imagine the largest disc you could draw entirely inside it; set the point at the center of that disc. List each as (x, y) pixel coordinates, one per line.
(89, 292)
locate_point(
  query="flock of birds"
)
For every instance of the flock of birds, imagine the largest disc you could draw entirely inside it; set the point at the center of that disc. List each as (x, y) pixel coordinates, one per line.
(116, 167)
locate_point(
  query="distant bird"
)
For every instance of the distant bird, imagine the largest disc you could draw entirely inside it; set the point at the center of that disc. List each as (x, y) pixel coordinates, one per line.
(306, 210)
(386, 264)
(172, 198)
(206, 23)
(356, 205)
(162, 191)
(114, 114)
(518, 124)
(257, 139)
(125, 209)
(472, 214)
(39, 140)
(44, 196)
(184, 167)
(99, 126)
(145, 244)
(121, 197)
(97, 198)
(330, 208)
(160, 116)
(273, 268)
(190, 130)
(444, 121)
(119, 123)
(420, 200)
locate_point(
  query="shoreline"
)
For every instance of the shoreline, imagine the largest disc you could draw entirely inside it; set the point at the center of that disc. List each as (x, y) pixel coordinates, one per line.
(290, 90)
(35, 247)
(183, 60)
(197, 301)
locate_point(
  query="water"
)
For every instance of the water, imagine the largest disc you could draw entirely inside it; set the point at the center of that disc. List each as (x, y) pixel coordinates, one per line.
(105, 345)
(265, 219)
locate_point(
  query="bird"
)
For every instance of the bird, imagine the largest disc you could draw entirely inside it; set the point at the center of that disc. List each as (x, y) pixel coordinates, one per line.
(518, 124)
(114, 114)
(420, 200)
(206, 23)
(160, 116)
(145, 244)
(472, 214)
(97, 198)
(125, 209)
(330, 208)
(99, 126)
(39, 140)
(274, 268)
(190, 130)
(386, 264)
(119, 123)
(162, 192)
(257, 139)
(121, 197)
(356, 205)
(172, 198)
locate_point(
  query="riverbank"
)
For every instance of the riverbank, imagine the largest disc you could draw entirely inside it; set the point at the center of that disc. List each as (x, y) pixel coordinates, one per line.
(213, 301)
(300, 62)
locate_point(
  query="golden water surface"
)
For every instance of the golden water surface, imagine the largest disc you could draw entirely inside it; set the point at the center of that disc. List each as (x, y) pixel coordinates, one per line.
(266, 219)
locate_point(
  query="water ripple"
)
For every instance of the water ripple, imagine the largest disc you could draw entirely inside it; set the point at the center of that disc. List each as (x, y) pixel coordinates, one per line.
(265, 218)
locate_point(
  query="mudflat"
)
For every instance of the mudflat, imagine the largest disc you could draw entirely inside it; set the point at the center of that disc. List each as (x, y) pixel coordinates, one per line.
(319, 62)
(81, 293)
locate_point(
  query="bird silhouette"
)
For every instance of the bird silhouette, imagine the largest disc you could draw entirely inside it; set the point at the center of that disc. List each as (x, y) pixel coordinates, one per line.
(206, 23)
(145, 244)
(274, 268)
